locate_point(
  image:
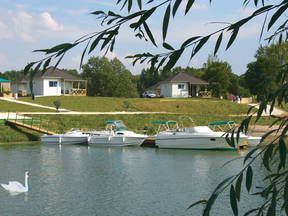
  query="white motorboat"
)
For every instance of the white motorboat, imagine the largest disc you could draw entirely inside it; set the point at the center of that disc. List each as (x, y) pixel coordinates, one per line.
(116, 134)
(72, 137)
(200, 137)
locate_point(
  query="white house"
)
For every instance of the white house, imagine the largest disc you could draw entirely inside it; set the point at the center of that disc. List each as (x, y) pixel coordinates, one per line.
(181, 85)
(53, 82)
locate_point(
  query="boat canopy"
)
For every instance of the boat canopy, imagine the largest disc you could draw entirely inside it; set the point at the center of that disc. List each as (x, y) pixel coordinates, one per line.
(113, 122)
(222, 123)
(223, 126)
(164, 122)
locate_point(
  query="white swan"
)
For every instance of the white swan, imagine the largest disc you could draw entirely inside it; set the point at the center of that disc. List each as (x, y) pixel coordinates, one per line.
(17, 187)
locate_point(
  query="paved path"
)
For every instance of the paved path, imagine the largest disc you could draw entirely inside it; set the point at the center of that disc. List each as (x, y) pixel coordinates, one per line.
(276, 111)
(32, 104)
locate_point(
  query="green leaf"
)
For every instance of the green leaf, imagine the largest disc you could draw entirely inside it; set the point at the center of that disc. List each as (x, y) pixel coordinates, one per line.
(282, 153)
(146, 15)
(173, 58)
(267, 156)
(83, 53)
(139, 4)
(64, 46)
(250, 153)
(272, 208)
(46, 64)
(95, 42)
(97, 12)
(166, 21)
(249, 178)
(149, 33)
(251, 211)
(197, 203)
(285, 196)
(238, 186)
(28, 67)
(199, 45)
(176, 6)
(168, 46)
(218, 42)
(233, 37)
(209, 204)
(233, 201)
(130, 2)
(188, 41)
(277, 14)
(108, 39)
(189, 5)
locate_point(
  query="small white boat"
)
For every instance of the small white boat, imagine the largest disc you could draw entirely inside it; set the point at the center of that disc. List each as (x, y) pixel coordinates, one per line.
(116, 134)
(200, 137)
(72, 137)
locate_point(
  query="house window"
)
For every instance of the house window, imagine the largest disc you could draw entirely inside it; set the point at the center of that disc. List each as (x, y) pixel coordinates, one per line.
(181, 86)
(53, 83)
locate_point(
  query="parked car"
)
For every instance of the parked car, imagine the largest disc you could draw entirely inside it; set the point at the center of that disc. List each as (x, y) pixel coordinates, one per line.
(148, 94)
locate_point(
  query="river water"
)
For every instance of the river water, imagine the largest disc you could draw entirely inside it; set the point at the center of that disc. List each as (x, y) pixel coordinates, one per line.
(81, 180)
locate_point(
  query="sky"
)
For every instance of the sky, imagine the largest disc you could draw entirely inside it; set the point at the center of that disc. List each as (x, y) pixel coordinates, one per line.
(27, 25)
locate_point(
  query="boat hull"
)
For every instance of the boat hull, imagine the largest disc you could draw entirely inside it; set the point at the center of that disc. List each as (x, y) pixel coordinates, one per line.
(192, 142)
(115, 140)
(62, 139)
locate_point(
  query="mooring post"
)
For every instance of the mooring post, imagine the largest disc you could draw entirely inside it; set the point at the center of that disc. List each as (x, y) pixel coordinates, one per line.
(40, 123)
(31, 122)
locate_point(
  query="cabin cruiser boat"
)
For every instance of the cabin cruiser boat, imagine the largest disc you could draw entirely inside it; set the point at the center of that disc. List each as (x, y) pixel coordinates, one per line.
(72, 137)
(116, 134)
(200, 137)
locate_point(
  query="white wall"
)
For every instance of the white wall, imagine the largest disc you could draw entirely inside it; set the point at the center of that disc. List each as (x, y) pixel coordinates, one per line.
(166, 90)
(172, 90)
(51, 91)
(176, 92)
(38, 87)
(15, 87)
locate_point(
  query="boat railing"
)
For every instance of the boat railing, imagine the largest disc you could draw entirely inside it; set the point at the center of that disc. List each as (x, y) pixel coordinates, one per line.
(222, 126)
(166, 125)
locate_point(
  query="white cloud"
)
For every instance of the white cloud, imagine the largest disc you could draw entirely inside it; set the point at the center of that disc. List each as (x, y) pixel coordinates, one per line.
(50, 22)
(5, 32)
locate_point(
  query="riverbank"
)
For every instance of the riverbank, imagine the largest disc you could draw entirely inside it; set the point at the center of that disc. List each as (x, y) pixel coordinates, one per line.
(90, 113)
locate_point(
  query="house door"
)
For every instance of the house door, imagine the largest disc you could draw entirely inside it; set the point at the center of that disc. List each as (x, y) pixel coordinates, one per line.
(193, 90)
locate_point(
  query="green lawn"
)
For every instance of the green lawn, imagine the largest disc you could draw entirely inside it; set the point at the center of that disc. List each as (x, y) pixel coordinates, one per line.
(196, 106)
(6, 106)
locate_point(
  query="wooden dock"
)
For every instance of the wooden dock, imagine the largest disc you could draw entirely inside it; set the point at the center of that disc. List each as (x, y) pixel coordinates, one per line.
(29, 126)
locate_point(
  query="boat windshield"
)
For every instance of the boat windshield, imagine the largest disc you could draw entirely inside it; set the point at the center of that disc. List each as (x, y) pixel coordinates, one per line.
(115, 125)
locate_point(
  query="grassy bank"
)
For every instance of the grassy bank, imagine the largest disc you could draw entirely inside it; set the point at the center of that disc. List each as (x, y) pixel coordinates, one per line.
(62, 123)
(14, 134)
(6, 106)
(196, 106)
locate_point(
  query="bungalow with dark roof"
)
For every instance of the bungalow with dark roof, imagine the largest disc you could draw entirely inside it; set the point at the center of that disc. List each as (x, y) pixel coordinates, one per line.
(180, 85)
(53, 82)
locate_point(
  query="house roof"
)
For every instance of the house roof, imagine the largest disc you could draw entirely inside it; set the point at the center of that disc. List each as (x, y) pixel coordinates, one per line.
(2, 80)
(51, 73)
(184, 77)
(180, 77)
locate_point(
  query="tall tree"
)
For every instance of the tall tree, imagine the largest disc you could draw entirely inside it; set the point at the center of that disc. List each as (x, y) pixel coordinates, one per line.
(219, 75)
(261, 76)
(108, 78)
